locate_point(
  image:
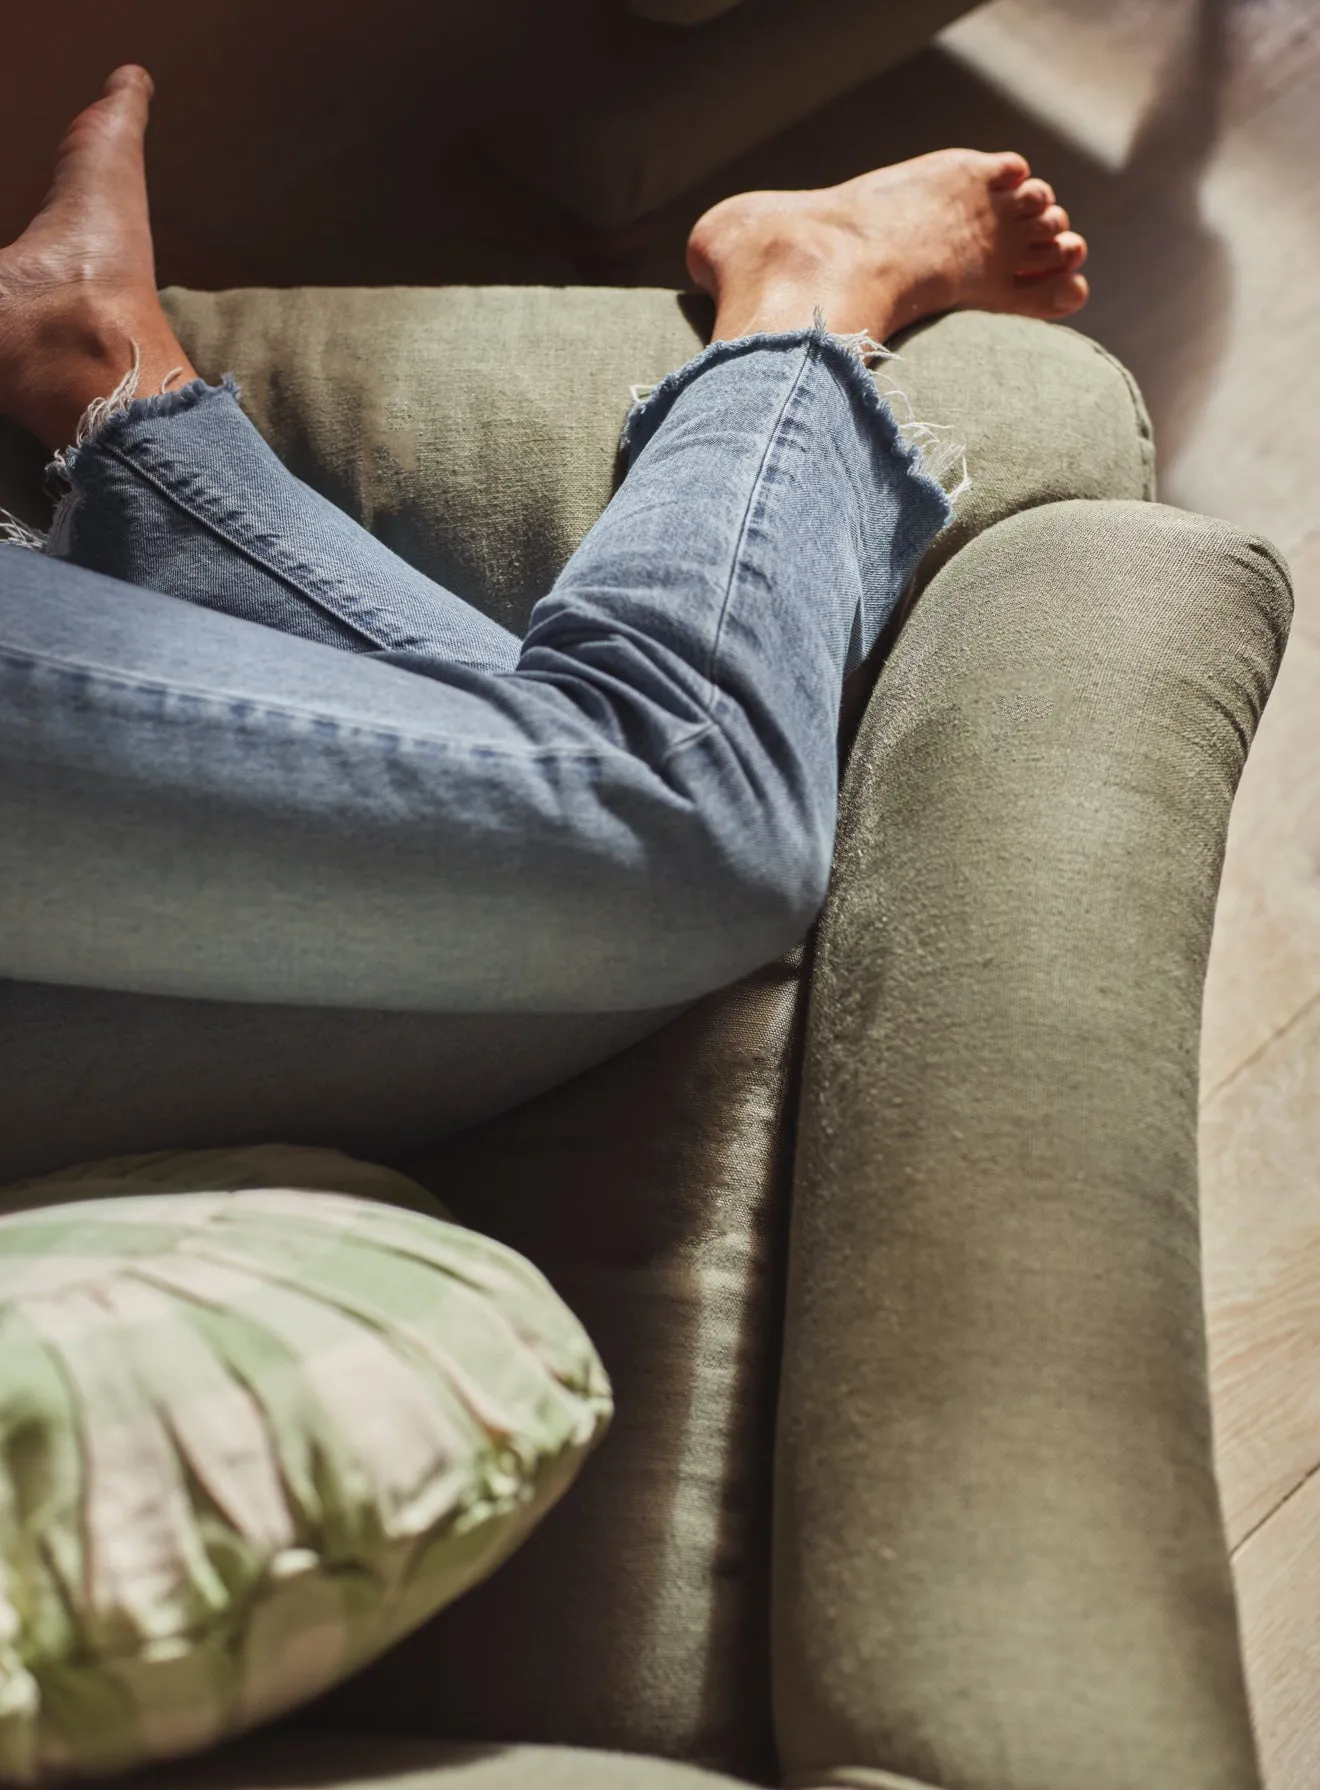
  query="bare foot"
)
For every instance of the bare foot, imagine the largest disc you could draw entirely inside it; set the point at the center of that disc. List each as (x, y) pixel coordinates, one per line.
(78, 288)
(957, 230)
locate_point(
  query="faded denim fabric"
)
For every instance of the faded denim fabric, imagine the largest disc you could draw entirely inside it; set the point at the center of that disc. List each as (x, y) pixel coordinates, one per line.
(633, 805)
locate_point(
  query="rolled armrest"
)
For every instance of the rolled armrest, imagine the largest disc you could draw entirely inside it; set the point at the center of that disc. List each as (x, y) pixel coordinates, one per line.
(999, 1557)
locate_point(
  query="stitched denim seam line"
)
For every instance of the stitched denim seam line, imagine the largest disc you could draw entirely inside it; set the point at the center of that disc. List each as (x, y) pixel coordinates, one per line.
(31, 661)
(245, 552)
(734, 568)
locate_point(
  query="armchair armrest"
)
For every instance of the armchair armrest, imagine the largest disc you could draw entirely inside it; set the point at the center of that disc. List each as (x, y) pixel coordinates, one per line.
(999, 1557)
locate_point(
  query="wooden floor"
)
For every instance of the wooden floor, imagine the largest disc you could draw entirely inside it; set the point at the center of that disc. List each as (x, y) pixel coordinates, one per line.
(1200, 121)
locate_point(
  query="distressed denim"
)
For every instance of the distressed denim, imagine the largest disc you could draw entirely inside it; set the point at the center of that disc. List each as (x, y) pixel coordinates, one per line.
(248, 754)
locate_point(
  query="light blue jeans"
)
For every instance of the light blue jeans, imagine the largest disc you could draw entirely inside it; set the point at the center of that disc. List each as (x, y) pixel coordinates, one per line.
(248, 755)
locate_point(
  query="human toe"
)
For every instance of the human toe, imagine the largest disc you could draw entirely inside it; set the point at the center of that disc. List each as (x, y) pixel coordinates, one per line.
(1053, 221)
(1031, 198)
(1057, 296)
(1008, 170)
(1067, 249)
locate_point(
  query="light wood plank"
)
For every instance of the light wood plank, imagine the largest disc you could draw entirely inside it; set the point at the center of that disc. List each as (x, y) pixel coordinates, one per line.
(1198, 185)
(1265, 952)
(1260, 1196)
(1278, 1583)
(1306, 581)
(1103, 69)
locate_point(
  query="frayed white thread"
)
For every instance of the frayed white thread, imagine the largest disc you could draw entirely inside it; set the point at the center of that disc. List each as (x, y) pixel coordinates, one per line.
(99, 413)
(941, 456)
(16, 533)
(92, 423)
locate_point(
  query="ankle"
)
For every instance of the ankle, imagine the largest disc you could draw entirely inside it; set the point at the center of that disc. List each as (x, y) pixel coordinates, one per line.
(772, 269)
(767, 313)
(81, 350)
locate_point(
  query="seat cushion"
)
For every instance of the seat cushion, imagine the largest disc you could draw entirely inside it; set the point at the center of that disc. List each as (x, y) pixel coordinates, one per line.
(475, 429)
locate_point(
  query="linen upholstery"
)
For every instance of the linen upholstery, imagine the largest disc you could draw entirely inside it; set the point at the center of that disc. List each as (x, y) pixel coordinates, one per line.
(999, 1559)
(1077, 426)
(475, 429)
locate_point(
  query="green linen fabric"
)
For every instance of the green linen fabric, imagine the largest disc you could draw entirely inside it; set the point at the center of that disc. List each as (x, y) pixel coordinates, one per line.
(999, 1557)
(1043, 414)
(251, 1436)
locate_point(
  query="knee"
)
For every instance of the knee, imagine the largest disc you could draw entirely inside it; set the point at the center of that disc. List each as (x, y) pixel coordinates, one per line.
(767, 884)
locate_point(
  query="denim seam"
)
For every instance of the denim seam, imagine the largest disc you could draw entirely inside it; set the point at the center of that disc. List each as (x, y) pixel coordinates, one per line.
(222, 706)
(850, 365)
(752, 498)
(711, 723)
(845, 358)
(287, 579)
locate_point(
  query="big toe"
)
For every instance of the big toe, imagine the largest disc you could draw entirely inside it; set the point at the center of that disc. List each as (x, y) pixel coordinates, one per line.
(130, 77)
(124, 104)
(1009, 170)
(102, 150)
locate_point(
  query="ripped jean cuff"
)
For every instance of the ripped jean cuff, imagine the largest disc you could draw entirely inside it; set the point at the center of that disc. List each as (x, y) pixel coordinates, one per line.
(927, 449)
(93, 426)
(178, 492)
